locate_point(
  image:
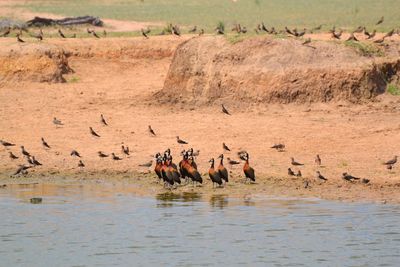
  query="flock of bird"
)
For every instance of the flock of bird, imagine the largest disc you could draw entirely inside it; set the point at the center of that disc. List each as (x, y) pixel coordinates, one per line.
(220, 29)
(170, 173)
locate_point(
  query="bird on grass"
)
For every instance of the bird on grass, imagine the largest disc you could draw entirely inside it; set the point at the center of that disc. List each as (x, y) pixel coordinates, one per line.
(370, 35)
(201, 32)
(176, 31)
(92, 132)
(151, 131)
(336, 35)
(12, 156)
(180, 141)
(6, 144)
(75, 153)
(225, 147)
(352, 38)
(320, 176)
(224, 110)
(103, 120)
(214, 175)
(349, 177)
(35, 162)
(45, 144)
(295, 163)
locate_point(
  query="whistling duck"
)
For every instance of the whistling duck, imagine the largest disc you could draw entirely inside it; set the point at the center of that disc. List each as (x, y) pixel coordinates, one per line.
(115, 157)
(222, 170)
(125, 150)
(151, 131)
(166, 174)
(248, 171)
(380, 20)
(192, 172)
(214, 175)
(182, 169)
(157, 168)
(174, 171)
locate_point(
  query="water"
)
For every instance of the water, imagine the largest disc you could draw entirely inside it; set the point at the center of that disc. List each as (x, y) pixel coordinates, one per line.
(110, 226)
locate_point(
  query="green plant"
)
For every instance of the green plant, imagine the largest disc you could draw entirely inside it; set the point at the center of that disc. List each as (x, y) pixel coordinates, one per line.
(393, 89)
(366, 50)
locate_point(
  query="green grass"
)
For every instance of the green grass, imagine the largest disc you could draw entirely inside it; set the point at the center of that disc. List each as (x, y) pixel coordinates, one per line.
(364, 49)
(207, 13)
(393, 89)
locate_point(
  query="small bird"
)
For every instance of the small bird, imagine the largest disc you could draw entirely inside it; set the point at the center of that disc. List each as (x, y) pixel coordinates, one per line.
(19, 38)
(57, 122)
(22, 169)
(223, 172)
(290, 172)
(24, 152)
(6, 144)
(391, 162)
(180, 141)
(336, 35)
(176, 31)
(201, 32)
(225, 147)
(75, 153)
(151, 131)
(359, 29)
(193, 30)
(95, 34)
(320, 177)
(298, 173)
(103, 120)
(349, 177)
(12, 156)
(370, 35)
(35, 162)
(306, 41)
(389, 34)
(264, 28)
(81, 164)
(29, 160)
(248, 171)
(318, 160)
(279, 147)
(288, 31)
(365, 181)
(224, 110)
(352, 38)
(214, 175)
(114, 157)
(295, 163)
(232, 162)
(61, 33)
(93, 132)
(147, 164)
(125, 150)
(144, 34)
(44, 143)
(102, 155)
(380, 20)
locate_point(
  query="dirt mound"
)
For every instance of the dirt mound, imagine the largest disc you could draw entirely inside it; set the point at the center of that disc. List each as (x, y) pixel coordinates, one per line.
(266, 70)
(32, 62)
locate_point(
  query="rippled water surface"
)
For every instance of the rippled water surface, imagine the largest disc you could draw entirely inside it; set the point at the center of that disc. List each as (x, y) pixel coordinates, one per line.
(110, 226)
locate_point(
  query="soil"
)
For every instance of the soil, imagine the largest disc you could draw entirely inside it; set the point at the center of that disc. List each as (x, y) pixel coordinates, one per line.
(120, 77)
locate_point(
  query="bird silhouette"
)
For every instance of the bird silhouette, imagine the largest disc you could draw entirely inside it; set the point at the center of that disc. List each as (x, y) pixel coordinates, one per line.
(318, 160)
(102, 155)
(75, 153)
(12, 156)
(279, 147)
(35, 162)
(336, 35)
(248, 171)
(225, 147)
(81, 164)
(352, 38)
(288, 31)
(180, 141)
(103, 120)
(125, 150)
(24, 152)
(147, 164)
(295, 163)
(57, 122)
(214, 175)
(224, 110)
(144, 34)
(61, 33)
(391, 162)
(115, 157)
(264, 28)
(45, 144)
(19, 38)
(349, 177)
(389, 34)
(359, 29)
(380, 20)
(22, 169)
(370, 35)
(92, 132)
(176, 31)
(222, 170)
(290, 172)
(320, 176)
(6, 144)
(151, 131)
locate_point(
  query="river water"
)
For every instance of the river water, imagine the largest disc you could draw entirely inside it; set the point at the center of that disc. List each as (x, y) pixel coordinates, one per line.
(105, 225)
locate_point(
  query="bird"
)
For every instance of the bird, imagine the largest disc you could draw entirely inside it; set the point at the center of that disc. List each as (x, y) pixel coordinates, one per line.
(300, 34)
(225, 147)
(389, 34)
(336, 35)
(201, 32)
(295, 163)
(214, 175)
(359, 29)
(102, 155)
(151, 131)
(222, 170)
(6, 144)
(45, 144)
(288, 31)
(114, 157)
(244, 30)
(22, 169)
(38, 36)
(365, 181)
(232, 162)
(176, 31)
(279, 147)
(317, 28)
(349, 177)
(306, 41)
(24, 152)
(370, 35)
(352, 38)
(389, 167)
(157, 168)
(61, 33)
(19, 38)
(298, 174)
(147, 164)
(224, 110)
(81, 164)
(320, 177)
(248, 171)
(57, 122)
(12, 156)
(125, 150)
(6, 33)
(29, 160)
(263, 27)
(380, 20)
(290, 172)
(391, 162)
(192, 171)
(103, 120)
(35, 162)
(75, 153)
(193, 30)
(176, 177)
(94, 34)
(379, 41)
(180, 141)
(317, 160)
(144, 34)
(93, 132)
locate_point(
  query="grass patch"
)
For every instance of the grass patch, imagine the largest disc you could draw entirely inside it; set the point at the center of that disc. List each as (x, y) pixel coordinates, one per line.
(73, 79)
(393, 89)
(366, 50)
